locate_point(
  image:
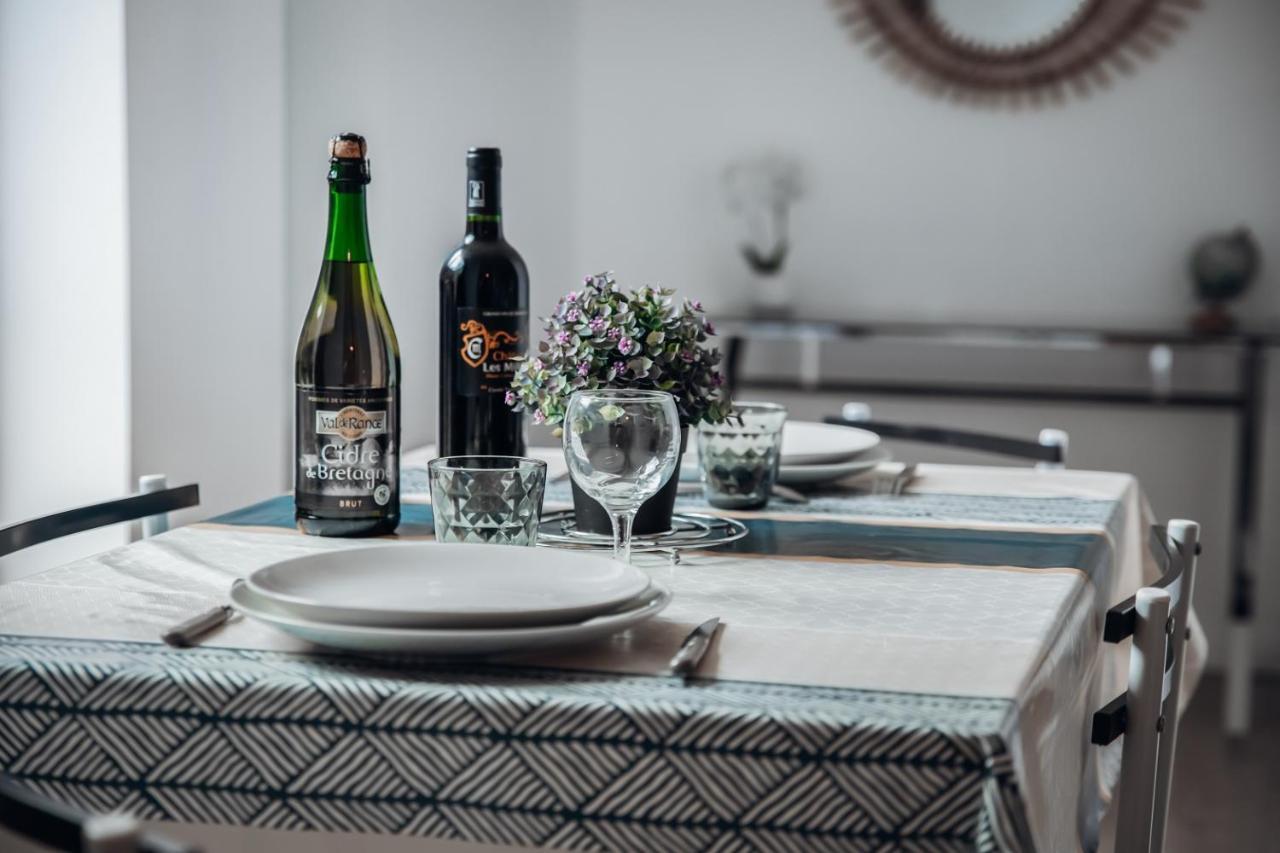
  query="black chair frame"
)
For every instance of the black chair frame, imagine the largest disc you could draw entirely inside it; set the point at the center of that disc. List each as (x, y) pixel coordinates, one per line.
(61, 827)
(34, 531)
(1019, 448)
(23, 811)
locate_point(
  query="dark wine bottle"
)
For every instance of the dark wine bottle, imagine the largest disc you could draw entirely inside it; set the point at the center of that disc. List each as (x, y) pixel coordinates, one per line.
(347, 431)
(484, 324)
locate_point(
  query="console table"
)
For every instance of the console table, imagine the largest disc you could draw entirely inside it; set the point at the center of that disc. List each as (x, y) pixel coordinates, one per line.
(1247, 351)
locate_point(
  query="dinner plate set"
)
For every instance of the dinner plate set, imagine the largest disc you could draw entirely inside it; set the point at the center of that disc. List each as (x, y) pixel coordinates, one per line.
(814, 453)
(469, 599)
(447, 599)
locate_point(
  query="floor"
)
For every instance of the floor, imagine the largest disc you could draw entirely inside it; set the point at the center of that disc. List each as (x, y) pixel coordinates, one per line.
(1226, 793)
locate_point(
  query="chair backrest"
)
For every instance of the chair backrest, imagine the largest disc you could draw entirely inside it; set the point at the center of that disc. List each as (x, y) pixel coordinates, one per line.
(23, 812)
(52, 825)
(151, 504)
(1157, 620)
(1048, 451)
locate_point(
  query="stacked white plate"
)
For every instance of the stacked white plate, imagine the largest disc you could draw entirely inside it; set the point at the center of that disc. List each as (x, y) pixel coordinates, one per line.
(442, 599)
(816, 453)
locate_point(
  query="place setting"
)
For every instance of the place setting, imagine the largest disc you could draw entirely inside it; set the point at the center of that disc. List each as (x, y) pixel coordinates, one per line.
(449, 599)
(482, 588)
(504, 576)
(760, 453)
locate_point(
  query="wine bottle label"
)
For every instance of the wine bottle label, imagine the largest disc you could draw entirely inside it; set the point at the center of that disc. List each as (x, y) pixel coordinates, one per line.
(491, 341)
(348, 458)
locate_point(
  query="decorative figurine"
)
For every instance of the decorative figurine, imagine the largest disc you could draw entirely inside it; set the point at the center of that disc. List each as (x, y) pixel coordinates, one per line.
(760, 190)
(1222, 268)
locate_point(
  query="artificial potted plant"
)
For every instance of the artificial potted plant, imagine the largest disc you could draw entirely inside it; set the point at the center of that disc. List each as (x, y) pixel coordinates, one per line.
(604, 337)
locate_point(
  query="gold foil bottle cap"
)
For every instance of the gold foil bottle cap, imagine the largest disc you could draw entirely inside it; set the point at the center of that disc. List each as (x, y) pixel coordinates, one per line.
(348, 146)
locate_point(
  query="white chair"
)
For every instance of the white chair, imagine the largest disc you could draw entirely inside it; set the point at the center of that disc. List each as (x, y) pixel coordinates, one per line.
(1048, 451)
(1147, 713)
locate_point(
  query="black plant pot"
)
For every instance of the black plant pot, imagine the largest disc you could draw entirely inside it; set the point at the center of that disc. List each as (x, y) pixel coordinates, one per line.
(654, 515)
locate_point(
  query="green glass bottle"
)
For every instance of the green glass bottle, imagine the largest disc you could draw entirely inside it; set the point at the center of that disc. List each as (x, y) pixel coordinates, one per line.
(347, 429)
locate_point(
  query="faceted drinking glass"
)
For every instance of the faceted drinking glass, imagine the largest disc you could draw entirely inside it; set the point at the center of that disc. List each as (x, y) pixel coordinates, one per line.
(739, 458)
(621, 446)
(495, 500)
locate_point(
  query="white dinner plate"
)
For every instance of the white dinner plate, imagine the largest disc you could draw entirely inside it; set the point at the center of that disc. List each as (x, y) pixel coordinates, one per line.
(804, 443)
(446, 641)
(797, 475)
(436, 585)
(809, 443)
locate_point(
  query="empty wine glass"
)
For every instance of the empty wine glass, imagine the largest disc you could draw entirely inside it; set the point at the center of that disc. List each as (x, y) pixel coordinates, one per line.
(622, 446)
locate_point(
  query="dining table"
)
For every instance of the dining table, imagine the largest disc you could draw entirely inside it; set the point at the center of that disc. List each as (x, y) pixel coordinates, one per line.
(912, 671)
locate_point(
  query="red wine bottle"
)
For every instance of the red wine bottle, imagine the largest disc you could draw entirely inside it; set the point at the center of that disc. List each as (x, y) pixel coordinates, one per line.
(484, 324)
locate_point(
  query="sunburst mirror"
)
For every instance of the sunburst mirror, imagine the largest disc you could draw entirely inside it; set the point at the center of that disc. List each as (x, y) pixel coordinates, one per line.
(1015, 51)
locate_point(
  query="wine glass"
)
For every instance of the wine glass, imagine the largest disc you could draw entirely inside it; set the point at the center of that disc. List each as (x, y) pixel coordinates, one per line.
(622, 446)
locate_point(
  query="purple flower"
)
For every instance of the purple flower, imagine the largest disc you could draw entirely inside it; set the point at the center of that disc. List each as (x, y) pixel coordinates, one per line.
(626, 346)
(584, 367)
(538, 417)
(510, 398)
(687, 356)
(615, 333)
(573, 315)
(696, 305)
(597, 324)
(572, 295)
(710, 327)
(562, 337)
(619, 367)
(716, 380)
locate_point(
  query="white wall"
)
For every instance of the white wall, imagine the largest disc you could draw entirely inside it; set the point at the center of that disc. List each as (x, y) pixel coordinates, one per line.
(423, 82)
(922, 208)
(63, 310)
(212, 371)
(230, 108)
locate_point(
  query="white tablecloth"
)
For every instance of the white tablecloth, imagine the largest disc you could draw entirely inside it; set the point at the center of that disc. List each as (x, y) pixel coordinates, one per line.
(955, 627)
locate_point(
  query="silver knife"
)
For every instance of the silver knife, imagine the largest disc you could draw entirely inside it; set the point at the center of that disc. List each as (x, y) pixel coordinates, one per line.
(187, 633)
(694, 648)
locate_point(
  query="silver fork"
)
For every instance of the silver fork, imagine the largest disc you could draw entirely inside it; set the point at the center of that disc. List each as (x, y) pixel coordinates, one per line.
(884, 476)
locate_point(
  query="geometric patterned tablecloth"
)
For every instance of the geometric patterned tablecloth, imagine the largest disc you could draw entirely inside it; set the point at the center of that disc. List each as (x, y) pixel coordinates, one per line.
(857, 698)
(521, 756)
